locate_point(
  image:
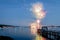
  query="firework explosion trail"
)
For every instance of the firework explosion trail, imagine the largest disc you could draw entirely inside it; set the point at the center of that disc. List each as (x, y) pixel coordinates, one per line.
(39, 13)
(37, 9)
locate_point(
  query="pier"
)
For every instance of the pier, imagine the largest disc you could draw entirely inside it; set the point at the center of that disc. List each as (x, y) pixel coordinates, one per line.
(49, 34)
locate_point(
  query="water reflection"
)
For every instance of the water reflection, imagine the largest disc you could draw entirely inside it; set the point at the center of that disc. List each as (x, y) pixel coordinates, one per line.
(38, 37)
(19, 33)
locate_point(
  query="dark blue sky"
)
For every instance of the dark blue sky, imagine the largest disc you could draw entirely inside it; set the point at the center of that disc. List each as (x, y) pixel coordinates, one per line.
(17, 12)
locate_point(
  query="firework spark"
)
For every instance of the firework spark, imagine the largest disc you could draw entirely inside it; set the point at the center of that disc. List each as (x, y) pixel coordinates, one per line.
(37, 9)
(33, 28)
(39, 12)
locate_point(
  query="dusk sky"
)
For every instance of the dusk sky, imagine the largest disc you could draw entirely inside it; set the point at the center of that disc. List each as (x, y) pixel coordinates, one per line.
(17, 12)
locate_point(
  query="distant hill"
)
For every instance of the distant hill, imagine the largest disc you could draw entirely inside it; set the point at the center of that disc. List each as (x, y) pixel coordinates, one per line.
(4, 25)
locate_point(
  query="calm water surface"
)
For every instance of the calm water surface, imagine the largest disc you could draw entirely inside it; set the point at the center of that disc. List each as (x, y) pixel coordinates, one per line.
(19, 33)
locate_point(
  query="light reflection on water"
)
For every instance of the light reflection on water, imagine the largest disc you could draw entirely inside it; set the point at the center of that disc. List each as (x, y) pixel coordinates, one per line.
(19, 33)
(38, 37)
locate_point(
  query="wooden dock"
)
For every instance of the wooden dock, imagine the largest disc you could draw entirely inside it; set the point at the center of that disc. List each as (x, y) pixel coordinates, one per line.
(49, 34)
